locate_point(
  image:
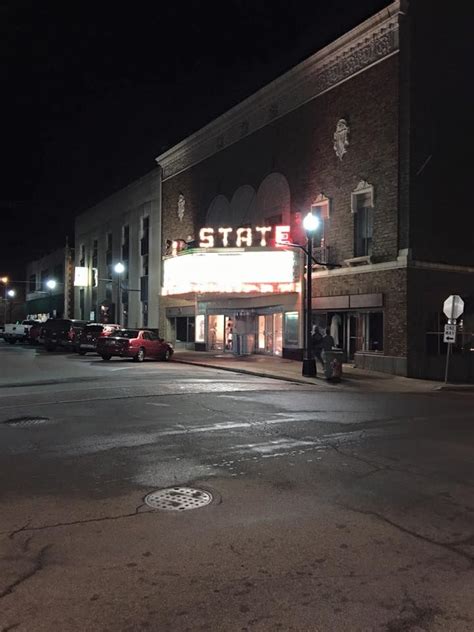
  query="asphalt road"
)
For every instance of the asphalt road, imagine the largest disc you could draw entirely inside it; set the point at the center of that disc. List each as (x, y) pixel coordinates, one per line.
(332, 510)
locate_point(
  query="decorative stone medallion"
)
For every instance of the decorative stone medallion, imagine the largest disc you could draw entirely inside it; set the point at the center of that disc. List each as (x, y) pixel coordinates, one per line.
(341, 138)
(181, 206)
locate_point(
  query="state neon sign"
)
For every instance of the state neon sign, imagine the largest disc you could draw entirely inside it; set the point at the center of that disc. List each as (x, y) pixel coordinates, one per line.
(243, 237)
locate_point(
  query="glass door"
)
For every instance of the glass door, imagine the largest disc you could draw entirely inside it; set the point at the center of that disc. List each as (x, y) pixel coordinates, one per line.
(278, 334)
(215, 335)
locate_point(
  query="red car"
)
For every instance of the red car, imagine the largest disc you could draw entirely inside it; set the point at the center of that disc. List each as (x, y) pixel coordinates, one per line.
(137, 344)
(91, 334)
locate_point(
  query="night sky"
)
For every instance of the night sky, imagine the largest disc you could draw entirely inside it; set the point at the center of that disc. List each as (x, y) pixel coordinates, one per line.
(93, 92)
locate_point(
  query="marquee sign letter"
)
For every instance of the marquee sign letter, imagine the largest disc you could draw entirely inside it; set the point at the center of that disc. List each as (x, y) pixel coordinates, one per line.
(206, 238)
(263, 230)
(282, 235)
(244, 235)
(225, 235)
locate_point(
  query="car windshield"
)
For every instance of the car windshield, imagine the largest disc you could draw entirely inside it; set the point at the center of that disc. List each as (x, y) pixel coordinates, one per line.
(58, 325)
(93, 328)
(127, 333)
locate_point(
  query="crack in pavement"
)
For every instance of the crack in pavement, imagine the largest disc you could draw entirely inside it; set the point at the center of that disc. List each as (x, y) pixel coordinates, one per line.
(27, 528)
(450, 546)
(38, 565)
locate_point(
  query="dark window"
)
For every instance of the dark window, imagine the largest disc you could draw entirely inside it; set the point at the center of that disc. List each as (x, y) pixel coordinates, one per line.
(363, 229)
(109, 241)
(95, 253)
(145, 314)
(32, 283)
(126, 246)
(44, 278)
(185, 328)
(58, 274)
(81, 303)
(375, 331)
(144, 288)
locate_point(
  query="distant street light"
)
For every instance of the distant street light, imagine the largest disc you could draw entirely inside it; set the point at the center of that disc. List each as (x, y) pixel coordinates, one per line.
(119, 269)
(11, 293)
(310, 224)
(51, 284)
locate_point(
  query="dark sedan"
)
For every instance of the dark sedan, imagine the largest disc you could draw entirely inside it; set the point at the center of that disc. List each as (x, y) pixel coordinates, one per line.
(91, 333)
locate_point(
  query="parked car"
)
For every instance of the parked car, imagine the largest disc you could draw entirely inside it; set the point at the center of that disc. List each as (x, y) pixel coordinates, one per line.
(17, 332)
(34, 334)
(90, 334)
(61, 332)
(137, 344)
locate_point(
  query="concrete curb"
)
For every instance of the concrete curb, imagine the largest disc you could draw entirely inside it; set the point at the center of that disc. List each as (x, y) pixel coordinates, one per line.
(460, 388)
(271, 376)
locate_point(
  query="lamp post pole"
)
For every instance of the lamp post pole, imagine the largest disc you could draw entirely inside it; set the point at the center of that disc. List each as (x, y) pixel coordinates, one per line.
(311, 224)
(119, 269)
(309, 364)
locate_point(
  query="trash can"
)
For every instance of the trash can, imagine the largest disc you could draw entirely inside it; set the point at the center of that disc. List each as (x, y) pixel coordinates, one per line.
(333, 365)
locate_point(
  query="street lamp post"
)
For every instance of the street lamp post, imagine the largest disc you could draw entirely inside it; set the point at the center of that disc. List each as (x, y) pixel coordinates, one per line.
(119, 269)
(310, 224)
(51, 285)
(11, 294)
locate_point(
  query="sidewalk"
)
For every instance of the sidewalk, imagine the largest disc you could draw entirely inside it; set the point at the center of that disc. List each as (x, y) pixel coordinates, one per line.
(290, 370)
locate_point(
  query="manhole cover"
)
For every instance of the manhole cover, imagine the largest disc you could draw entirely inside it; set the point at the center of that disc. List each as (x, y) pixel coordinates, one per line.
(26, 421)
(178, 499)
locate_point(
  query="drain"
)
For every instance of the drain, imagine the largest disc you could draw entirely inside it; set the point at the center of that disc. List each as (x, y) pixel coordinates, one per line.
(26, 421)
(178, 499)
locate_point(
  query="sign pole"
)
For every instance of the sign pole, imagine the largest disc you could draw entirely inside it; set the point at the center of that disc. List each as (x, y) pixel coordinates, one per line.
(447, 363)
(448, 354)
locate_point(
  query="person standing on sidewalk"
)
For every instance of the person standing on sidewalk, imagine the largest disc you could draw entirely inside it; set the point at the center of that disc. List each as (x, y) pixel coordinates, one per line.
(317, 344)
(327, 342)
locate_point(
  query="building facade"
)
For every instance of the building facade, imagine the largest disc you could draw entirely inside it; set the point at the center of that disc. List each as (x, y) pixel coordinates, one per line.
(122, 229)
(333, 135)
(49, 286)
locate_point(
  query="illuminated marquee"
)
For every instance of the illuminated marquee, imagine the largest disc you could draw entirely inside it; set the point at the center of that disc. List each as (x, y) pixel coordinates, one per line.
(240, 272)
(243, 237)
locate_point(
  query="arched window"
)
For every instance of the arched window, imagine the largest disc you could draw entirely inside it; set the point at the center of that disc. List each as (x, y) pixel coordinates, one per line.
(219, 212)
(273, 200)
(243, 206)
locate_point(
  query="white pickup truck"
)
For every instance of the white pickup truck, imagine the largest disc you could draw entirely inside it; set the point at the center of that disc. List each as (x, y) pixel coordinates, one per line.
(15, 332)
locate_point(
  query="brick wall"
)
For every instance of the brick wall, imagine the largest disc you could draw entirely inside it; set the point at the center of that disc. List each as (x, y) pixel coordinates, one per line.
(300, 146)
(392, 284)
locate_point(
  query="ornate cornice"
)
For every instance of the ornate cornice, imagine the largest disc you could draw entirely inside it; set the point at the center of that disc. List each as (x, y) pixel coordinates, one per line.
(365, 45)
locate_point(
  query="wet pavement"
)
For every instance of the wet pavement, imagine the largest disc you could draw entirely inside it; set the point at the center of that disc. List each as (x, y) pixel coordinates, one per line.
(333, 509)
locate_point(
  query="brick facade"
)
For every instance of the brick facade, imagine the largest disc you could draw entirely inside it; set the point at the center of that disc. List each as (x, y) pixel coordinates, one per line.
(300, 146)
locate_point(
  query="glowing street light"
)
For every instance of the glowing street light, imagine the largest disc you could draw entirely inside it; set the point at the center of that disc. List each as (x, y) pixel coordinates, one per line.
(119, 269)
(11, 293)
(311, 224)
(51, 284)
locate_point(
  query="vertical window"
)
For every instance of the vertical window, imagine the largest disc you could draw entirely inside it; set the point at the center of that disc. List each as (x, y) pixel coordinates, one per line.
(144, 249)
(95, 253)
(32, 283)
(363, 209)
(320, 208)
(108, 263)
(291, 329)
(81, 303)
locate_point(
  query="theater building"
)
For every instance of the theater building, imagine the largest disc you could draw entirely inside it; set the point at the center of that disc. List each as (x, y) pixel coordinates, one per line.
(333, 135)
